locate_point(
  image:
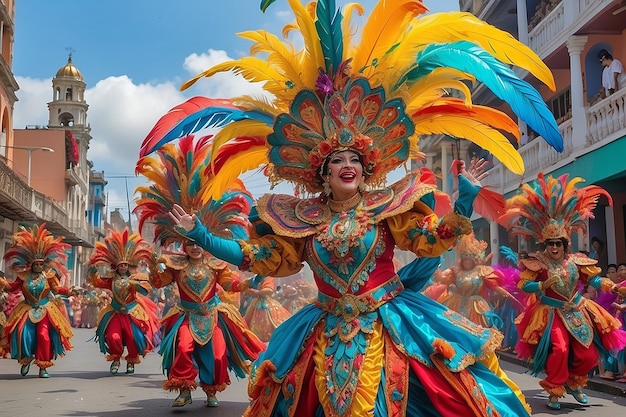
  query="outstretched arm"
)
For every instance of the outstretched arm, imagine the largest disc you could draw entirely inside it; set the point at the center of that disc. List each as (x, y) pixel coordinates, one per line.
(190, 226)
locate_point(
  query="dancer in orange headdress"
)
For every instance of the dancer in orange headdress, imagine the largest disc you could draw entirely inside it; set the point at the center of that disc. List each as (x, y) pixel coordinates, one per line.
(37, 329)
(561, 331)
(130, 319)
(345, 111)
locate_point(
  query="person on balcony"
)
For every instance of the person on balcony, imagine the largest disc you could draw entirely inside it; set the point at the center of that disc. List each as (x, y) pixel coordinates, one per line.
(613, 76)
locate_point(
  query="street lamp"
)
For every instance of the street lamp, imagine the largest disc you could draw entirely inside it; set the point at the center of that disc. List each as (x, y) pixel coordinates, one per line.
(30, 150)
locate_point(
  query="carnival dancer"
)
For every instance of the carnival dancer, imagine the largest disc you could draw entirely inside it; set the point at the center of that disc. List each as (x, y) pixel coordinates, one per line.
(263, 312)
(560, 331)
(342, 116)
(202, 336)
(130, 319)
(37, 330)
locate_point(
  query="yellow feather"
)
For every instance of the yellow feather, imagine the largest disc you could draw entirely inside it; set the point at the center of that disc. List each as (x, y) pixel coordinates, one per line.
(313, 57)
(455, 26)
(252, 69)
(440, 78)
(484, 136)
(346, 29)
(235, 166)
(280, 54)
(383, 29)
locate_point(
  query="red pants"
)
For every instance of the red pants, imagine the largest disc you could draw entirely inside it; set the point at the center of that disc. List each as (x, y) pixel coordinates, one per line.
(118, 333)
(558, 370)
(211, 359)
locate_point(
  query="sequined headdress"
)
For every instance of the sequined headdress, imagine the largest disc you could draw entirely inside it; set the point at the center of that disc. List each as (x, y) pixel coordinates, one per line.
(374, 93)
(121, 247)
(470, 247)
(552, 208)
(36, 243)
(178, 174)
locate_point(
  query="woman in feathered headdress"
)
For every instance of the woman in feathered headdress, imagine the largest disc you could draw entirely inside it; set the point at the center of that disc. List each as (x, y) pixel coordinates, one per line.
(130, 319)
(202, 336)
(561, 332)
(37, 329)
(343, 115)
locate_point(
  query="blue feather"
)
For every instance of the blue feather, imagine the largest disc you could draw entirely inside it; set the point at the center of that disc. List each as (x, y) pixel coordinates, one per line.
(208, 118)
(523, 98)
(329, 31)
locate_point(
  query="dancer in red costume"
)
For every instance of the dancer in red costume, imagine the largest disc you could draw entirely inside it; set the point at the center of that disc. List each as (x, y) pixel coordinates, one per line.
(37, 329)
(561, 331)
(130, 319)
(202, 336)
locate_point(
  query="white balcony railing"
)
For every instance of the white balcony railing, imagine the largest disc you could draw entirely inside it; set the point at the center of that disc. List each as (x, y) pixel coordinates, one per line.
(607, 123)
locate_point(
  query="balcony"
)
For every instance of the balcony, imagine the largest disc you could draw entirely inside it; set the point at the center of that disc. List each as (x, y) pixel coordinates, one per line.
(21, 203)
(72, 176)
(568, 18)
(606, 122)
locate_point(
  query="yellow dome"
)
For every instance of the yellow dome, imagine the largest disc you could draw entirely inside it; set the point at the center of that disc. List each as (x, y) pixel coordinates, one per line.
(69, 70)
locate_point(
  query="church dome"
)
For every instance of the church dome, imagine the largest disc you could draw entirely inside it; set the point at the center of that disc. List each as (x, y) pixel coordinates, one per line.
(69, 71)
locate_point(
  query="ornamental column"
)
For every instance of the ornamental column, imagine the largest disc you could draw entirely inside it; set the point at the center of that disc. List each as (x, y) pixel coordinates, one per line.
(575, 45)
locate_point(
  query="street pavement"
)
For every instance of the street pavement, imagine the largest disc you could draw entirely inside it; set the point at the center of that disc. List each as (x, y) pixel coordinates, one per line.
(80, 385)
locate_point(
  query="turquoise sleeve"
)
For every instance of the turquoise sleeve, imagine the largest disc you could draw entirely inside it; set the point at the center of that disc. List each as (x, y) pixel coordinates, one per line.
(595, 282)
(531, 286)
(467, 194)
(224, 249)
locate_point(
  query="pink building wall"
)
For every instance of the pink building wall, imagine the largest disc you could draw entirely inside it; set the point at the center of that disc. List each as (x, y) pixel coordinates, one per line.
(47, 174)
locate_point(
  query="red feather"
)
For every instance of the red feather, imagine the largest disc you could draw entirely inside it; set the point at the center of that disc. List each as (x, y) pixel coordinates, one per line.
(489, 204)
(175, 115)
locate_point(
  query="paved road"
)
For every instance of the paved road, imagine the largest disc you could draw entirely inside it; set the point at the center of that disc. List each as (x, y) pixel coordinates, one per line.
(80, 385)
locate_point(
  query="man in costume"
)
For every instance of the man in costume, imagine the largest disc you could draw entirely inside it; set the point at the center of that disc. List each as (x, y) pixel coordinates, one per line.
(561, 331)
(343, 115)
(37, 330)
(130, 320)
(202, 336)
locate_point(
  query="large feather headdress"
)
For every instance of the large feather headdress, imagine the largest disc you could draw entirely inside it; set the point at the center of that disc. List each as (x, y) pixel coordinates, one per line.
(121, 247)
(470, 247)
(375, 93)
(178, 175)
(552, 208)
(36, 243)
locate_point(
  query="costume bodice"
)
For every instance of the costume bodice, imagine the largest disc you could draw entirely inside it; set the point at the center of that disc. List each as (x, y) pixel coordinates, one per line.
(121, 289)
(469, 283)
(350, 255)
(196, 283)
(36, 287)
(567, 270)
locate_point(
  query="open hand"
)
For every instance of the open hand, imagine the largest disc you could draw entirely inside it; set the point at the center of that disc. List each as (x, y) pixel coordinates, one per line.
(182, 219)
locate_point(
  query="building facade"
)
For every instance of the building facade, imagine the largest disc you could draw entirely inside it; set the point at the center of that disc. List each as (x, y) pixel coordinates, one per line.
(567, 35)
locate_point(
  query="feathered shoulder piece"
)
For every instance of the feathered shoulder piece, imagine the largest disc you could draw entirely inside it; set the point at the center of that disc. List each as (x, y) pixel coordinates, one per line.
(552, 208)
(296, 217)
(179, 174)
(373, 92)
(121, 246)
(36, 243)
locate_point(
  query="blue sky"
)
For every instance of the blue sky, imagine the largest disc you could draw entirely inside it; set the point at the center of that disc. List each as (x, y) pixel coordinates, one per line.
(134, 55)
